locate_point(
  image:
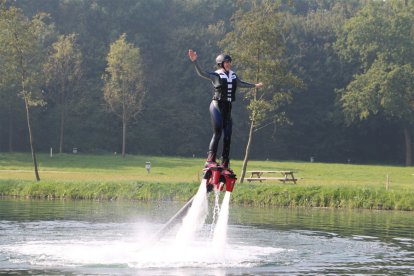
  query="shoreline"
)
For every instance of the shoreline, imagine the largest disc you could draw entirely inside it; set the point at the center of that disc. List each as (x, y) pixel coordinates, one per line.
(263, 195)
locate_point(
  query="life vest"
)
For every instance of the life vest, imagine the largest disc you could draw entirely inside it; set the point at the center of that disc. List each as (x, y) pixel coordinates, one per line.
(226, 91)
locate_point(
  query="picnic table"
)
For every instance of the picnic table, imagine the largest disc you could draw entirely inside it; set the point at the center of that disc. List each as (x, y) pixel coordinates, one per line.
(258, 175)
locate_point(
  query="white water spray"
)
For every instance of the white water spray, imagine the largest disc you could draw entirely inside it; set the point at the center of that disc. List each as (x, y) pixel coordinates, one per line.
(220, 232)
(216, 211)
(194, 220)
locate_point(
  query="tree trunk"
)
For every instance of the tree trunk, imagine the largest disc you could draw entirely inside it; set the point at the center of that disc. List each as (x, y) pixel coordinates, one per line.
(62, 121)
(26, 101)
(252, 123)
(246, 156)
(408, 148)
(124, 124)
(62, 115)
(10, 129)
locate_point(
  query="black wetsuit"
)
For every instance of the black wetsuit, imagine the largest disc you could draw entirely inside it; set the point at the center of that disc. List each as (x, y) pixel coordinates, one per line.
(225, 85)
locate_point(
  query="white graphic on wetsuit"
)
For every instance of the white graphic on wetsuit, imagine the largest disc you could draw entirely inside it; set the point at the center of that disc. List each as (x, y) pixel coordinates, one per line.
(229, 79)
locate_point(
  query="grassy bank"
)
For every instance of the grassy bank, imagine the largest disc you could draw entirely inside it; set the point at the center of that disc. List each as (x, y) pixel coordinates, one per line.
(172, 178)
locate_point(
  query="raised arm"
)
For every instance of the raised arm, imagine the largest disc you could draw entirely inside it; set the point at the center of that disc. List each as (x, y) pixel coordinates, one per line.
(204, 74)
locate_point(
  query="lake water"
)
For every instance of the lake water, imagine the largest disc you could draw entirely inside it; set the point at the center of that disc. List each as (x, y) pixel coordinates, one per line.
(90, 237)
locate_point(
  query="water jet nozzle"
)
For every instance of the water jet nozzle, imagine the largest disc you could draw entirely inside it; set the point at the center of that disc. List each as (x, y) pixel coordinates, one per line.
(217, 177)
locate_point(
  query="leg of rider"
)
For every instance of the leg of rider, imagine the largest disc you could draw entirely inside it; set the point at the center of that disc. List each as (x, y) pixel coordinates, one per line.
(217, 125)
(227, 127)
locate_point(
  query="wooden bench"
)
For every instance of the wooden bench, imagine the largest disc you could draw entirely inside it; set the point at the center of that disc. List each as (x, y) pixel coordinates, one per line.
(263, 175)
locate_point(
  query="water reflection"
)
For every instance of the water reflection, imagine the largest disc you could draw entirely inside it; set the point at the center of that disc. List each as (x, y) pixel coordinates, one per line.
(384, 225)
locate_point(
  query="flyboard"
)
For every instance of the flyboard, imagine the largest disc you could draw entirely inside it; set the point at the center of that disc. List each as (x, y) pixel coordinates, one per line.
(215, 178)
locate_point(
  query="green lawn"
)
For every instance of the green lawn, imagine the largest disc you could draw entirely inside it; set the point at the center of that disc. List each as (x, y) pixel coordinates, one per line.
(319, 184)
(100, 167)
(177, 170)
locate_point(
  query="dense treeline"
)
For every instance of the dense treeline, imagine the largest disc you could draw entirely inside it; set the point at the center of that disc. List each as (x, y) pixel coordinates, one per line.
(174, 118)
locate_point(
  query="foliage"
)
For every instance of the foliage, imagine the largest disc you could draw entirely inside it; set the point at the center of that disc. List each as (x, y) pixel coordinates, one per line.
(253, 195)
(23, 50)
(124, 82)
(124, 90)
(316, 123)
(62, 72)
(255, 43)
(22, 42)
(378, 40)
(175, 121)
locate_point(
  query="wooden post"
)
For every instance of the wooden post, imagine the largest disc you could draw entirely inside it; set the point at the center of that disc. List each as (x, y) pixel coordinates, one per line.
(387, 183)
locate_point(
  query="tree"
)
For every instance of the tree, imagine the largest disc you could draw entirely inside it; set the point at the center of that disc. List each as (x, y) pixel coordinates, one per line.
(22, 45)
(62, 71)
(124, 82)
(378, 42)
(317, 127)
(9, 98)
(256, 45)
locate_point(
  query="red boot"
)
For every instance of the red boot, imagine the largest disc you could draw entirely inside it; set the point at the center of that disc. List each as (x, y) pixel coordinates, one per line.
(225, 163)
(211, 160)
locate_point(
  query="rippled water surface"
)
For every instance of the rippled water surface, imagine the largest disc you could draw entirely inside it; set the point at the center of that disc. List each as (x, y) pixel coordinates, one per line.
(87, 237)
